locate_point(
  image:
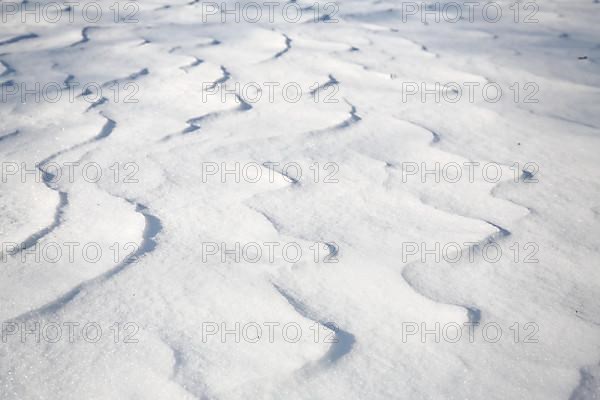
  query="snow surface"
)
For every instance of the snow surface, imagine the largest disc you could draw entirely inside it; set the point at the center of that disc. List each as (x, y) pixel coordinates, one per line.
(372, 292)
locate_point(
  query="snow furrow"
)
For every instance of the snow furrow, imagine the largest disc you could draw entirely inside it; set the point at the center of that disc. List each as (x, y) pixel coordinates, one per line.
(19, 39)
(85, 37)
(226, 76)
(48, 179)
(345, 124)
(193, 64)
(288, 46)
(9, 135)
(330, 82)
(8, 70)
(63, 202)
(341, 346)
(153, 227)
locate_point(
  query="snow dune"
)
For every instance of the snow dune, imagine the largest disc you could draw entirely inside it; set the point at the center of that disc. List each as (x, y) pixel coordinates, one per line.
(158, 105)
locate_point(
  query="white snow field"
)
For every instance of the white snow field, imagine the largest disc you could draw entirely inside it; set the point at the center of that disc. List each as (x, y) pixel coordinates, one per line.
(121, 206)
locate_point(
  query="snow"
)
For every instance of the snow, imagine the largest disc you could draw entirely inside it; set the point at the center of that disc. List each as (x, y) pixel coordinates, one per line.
(179, 321)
